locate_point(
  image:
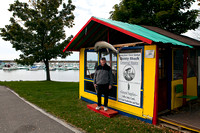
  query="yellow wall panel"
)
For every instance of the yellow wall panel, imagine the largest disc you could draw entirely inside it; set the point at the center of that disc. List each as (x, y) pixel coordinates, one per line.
(148, 93)
(191, 90)
(192, 86)
(176, 102)
(81, 72)
(116, 105)
(149, 82)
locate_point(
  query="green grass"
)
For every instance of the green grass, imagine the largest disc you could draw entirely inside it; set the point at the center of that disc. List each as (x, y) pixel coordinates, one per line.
(61, 100)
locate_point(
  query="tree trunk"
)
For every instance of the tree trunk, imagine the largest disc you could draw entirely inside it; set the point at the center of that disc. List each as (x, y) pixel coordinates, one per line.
(46, 62)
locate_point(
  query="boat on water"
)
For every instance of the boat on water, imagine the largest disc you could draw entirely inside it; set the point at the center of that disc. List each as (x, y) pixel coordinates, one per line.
(9, 67)
(42, 67)
(52, 69)
(91, 67)
(1, 67)
(33, 68)
(75, 68)
(64, 68)
(22, 67)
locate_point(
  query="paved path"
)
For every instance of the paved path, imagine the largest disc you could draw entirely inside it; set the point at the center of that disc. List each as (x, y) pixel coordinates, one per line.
(18, 116)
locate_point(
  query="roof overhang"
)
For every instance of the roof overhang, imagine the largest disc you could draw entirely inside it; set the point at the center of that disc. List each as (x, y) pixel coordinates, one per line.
(115, 32)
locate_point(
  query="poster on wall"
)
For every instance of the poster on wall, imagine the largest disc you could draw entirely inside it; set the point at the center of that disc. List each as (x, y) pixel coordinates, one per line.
(129, 79)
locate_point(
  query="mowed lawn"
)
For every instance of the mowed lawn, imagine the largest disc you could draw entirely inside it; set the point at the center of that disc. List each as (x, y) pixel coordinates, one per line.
(61, 100)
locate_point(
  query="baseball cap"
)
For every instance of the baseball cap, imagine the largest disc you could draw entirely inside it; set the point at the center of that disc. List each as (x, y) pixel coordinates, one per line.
(103, 58)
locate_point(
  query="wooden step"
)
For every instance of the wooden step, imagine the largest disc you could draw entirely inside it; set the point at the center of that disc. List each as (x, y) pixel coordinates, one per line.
(109, 113)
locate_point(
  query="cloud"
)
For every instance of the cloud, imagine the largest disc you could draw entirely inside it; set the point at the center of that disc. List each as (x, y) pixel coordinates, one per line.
(85, 9)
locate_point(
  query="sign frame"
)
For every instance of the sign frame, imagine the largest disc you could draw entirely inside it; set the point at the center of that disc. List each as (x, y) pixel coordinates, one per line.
(141, 48)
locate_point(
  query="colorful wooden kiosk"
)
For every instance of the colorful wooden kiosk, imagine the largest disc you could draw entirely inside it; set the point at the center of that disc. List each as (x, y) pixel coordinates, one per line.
(149, 66)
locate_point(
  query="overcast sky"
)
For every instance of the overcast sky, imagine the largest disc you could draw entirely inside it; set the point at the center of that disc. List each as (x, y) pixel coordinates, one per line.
(85, 9)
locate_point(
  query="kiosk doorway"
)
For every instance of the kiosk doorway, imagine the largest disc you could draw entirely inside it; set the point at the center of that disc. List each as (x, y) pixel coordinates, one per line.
(164, 87)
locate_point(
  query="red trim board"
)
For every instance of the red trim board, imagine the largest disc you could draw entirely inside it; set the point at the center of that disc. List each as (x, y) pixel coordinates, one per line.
(108, 36)
(84, 36)
(77, 34)
(155, 111)
(185, 55)
(89, 37)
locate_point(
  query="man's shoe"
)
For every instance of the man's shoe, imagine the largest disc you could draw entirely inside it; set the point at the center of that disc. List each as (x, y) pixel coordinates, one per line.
(105, 108)
(98, 107)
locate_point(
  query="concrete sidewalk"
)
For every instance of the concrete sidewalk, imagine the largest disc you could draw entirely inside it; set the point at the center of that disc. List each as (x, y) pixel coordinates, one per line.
(19, 116)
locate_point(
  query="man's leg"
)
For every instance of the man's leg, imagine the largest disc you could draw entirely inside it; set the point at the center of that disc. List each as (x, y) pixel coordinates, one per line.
(99, 93)
(106, 92)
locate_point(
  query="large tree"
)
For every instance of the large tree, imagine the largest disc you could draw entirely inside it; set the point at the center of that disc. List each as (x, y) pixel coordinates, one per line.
(171, 15)
(37, 29)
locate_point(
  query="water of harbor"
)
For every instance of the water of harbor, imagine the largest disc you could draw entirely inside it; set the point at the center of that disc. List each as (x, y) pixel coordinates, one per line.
(24, 75)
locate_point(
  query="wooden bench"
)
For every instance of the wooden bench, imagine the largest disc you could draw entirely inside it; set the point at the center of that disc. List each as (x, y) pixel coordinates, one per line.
(179, 89)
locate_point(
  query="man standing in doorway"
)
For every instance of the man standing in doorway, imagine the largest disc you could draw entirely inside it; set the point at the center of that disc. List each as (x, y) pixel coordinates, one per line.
(103, 81)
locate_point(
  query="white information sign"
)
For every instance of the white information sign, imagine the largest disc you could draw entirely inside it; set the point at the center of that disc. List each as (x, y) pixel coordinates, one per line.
(129, 79)
(149, 53)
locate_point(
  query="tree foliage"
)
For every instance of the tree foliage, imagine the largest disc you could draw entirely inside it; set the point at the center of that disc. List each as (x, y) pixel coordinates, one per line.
(171, 15)
(37, 30)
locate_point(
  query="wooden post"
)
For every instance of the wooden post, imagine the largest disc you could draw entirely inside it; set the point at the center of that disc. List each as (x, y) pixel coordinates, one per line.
(108, 36)
(155, 111)
(185, 56)
(111, 60)
(108, 40)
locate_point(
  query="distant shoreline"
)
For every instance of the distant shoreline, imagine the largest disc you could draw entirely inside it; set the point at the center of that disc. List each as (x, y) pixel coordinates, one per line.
(52, 61)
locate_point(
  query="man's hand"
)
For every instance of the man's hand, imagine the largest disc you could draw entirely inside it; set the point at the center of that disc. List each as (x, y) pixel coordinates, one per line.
(110, 86)
(95, 85)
